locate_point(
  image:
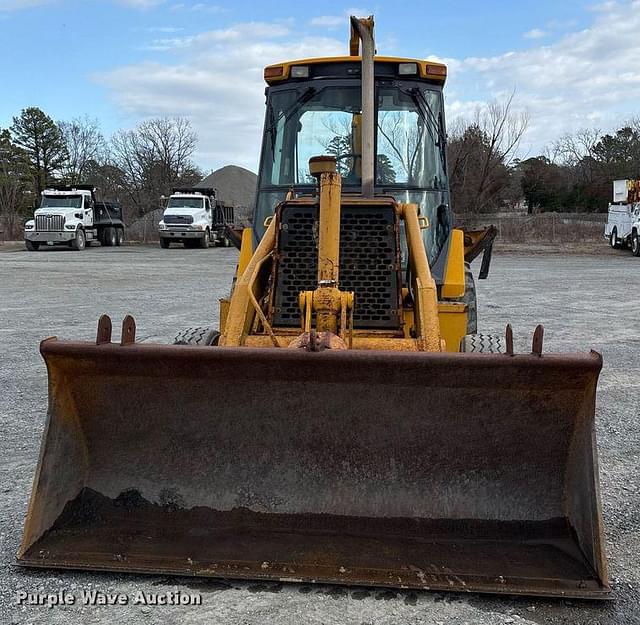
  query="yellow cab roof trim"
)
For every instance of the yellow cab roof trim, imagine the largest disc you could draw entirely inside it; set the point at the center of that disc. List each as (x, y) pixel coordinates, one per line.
(431, 70)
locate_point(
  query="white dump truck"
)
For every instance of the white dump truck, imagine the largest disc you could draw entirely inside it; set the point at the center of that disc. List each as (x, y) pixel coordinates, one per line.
(623, 223)
(195, 217)
(71, 215)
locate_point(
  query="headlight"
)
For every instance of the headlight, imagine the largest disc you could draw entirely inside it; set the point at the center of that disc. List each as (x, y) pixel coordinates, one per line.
(70, 226)
(162, 225)
(198, 227)
(28, 226)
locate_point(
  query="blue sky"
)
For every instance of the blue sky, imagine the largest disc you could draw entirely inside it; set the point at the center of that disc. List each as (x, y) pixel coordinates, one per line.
(124, 60)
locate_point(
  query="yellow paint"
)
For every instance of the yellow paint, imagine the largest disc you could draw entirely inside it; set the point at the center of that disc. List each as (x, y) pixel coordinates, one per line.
(422, 66)
(246, 251)
(359, 342)
(453, 285)
(224, 311)
(453, 323)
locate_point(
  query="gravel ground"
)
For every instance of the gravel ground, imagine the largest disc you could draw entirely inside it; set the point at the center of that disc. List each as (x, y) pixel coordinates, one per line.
(584, 302)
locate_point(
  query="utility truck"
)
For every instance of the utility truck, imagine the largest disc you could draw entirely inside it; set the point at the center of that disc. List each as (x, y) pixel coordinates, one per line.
(71, 215)
(623, 224)
(195, 217)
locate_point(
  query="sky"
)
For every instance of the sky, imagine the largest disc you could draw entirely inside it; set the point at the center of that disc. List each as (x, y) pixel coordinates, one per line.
(573, 64)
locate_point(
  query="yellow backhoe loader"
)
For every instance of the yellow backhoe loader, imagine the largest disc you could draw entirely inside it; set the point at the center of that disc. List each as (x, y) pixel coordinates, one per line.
(346, 423)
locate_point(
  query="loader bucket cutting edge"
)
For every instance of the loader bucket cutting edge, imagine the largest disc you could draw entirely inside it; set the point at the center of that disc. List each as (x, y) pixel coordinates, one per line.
(472, 472)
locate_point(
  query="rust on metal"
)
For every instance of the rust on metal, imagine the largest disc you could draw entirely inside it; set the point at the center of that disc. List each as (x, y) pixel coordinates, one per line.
(538, 338)
(152, 462)
(128, 331)
(508, 335)
(104, 330)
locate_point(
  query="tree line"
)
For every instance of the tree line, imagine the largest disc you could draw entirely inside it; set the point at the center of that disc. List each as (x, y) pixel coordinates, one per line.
(140, 165)
(574, 174)
(135, 166)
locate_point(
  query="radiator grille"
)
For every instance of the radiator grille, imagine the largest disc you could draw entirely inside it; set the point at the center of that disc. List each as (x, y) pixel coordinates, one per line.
(178, 219)
(49, 223)
(368, 263)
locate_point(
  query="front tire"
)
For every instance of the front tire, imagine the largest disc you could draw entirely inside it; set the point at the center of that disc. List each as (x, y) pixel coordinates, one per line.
(32, 246)
(80, 242)
(197, 336)
(204, 242)
(613, 240)
(635, 244)
(119, 236)
(164, 243)
(484, 343)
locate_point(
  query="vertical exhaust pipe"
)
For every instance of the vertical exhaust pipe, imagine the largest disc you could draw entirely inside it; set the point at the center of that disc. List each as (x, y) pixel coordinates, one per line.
(362, 31)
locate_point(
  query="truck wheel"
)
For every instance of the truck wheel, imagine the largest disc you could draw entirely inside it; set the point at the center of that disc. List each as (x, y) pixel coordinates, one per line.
(32, 246)
(635, 244)
(486, 343)
(119, 236)
(197, 336)
(613, 240)
(203, 243)
(80, 242)
(164, 243)
(110, 238)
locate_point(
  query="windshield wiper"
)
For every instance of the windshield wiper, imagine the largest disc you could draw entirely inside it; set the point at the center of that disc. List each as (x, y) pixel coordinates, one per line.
(429, 119)
(304, 97)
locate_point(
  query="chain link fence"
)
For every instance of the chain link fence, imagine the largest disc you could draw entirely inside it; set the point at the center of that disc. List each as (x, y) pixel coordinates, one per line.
(540, 228)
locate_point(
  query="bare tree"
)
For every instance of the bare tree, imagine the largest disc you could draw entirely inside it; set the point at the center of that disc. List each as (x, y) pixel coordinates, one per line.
(152, 157)
(85, 144)
(481, 154)
(15, 180)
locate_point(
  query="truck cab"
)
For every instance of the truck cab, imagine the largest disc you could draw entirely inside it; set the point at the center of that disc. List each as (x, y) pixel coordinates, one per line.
(196, 218)
(71, 215)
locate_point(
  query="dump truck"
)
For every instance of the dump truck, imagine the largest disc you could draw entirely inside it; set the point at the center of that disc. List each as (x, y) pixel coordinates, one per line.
(623, 220)
(345, 423)
(72, 215)
(195, 217)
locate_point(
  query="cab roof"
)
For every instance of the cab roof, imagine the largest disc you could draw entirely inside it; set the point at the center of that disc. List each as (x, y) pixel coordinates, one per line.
(339, 66)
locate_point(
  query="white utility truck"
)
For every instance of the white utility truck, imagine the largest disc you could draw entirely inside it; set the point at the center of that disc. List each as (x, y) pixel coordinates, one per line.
(71, 215)
(623, 223)
(195, 217)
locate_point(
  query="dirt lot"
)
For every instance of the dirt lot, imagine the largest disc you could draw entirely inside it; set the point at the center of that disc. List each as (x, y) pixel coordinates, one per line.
(584, 301)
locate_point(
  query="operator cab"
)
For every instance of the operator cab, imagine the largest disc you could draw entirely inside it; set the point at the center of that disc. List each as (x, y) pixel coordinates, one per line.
(314, 107)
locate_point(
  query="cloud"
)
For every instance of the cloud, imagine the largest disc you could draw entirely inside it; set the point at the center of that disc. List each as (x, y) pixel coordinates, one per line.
(586, 78)
(217, 84)
(332, 22)
(535, 33)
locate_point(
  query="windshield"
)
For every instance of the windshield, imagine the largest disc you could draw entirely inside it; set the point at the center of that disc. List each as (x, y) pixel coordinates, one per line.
(309, 121)
(185, 202)
(61, 201)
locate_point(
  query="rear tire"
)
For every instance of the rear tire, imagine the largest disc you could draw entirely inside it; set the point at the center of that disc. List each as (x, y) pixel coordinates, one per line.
(80, 242)
(119, 236)
(32, 246)
(635, 244)
(164, 243)
(485, 343)
(470, 299)
(197, 336)
(109, 237)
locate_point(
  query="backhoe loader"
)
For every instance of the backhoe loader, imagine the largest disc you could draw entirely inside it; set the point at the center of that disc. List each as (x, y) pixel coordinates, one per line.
(346, 423)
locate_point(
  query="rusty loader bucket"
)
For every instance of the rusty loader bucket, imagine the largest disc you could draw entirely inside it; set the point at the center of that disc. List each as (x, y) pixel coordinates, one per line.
(470, 472)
